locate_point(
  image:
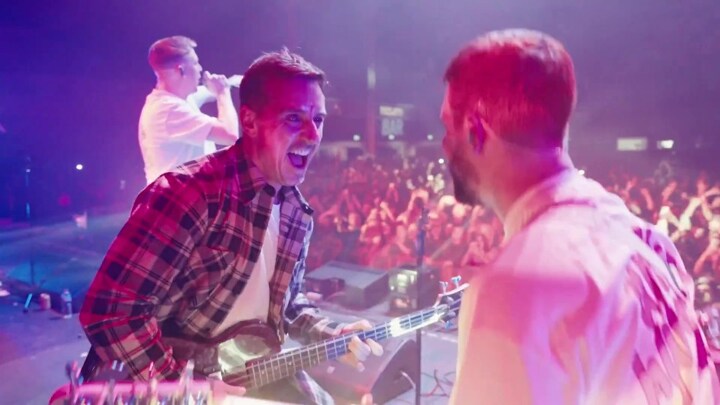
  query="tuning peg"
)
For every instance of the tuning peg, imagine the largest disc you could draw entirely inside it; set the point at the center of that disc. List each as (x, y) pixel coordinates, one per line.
(450, 323)
(203, 398)
(456, 281)
(110, 393)
(188, 370)
(151, 396)
(443, 286)
(134, 398)
(185, 382)
(73, 372)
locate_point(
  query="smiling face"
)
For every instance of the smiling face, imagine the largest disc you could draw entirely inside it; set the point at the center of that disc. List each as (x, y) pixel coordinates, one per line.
(285, 134)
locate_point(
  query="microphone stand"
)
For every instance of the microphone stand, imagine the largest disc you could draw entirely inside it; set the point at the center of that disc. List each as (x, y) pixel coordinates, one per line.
(422, 224)
(35, 289)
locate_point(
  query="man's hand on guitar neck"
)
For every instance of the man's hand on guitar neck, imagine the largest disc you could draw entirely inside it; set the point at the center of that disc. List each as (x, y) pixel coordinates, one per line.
(359, 350)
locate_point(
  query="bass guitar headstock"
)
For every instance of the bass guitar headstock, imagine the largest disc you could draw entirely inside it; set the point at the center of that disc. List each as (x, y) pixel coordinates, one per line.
(450, 298)
(120, 392)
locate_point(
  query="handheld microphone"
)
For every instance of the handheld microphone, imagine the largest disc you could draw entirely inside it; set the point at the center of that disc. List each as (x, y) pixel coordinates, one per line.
(233, 81)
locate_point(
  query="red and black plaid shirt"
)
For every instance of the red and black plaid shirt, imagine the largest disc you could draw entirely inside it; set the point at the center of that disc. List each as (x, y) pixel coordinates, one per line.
(185, 255)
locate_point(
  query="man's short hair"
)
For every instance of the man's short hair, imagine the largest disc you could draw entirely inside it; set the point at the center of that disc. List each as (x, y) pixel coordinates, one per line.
(169, 52)
(282, 64)
(522, 81)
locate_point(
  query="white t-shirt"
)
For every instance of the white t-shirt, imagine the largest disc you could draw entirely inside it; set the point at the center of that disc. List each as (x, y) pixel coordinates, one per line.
(254, 301)
(585, 304)
(172, 131)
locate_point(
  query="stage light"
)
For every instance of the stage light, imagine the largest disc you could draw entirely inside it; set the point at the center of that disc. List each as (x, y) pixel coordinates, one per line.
(582, 172)
(441, 161)
(79, 166)
(356, 138)
(666, 144)
(371, 77)
(634, 144)
(81, 220)
(430, 137)
(391, 137)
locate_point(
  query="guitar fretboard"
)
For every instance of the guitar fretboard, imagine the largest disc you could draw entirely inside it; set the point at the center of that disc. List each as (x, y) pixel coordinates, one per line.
(270, 369)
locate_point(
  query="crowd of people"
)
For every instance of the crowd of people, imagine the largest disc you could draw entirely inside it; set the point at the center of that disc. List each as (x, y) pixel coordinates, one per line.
(373, 215)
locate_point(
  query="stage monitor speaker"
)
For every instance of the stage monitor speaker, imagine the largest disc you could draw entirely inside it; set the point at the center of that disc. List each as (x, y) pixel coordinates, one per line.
(363, 286)
(412, 288)
(385, 377)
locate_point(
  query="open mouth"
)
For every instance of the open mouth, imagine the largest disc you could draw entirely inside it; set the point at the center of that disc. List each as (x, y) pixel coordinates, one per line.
(299, 161)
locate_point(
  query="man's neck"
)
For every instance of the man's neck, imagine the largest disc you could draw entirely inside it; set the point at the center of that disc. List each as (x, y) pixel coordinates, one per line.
(251, 153)
(524, 176)
(164, 86)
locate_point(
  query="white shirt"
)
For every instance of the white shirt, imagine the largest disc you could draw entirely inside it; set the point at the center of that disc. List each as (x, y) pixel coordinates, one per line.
(172, 131)
(254, 301)
(569, 310)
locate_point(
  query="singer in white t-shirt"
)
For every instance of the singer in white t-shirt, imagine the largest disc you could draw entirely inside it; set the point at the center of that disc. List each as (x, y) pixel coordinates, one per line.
(172, 129)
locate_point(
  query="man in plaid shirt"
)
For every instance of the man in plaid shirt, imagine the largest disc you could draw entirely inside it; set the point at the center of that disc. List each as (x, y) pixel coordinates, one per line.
(223, 239)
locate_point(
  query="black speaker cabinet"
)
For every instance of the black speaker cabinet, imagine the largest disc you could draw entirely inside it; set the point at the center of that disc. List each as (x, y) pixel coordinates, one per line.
(385, 377)
(360, 287)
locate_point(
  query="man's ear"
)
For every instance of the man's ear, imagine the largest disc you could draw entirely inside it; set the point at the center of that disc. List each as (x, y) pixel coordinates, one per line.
(477, 133)
(248, 122)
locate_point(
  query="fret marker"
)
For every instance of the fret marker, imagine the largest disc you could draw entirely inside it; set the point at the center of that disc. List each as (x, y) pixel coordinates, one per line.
(396, 325)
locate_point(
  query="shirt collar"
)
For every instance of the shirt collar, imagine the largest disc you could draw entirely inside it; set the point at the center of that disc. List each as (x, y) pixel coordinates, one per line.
(252, 182)
(536, 200)
(159, 92)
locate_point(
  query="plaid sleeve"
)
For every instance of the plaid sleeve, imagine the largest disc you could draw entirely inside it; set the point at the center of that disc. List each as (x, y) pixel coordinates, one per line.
(118, 315)
(304, 323)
